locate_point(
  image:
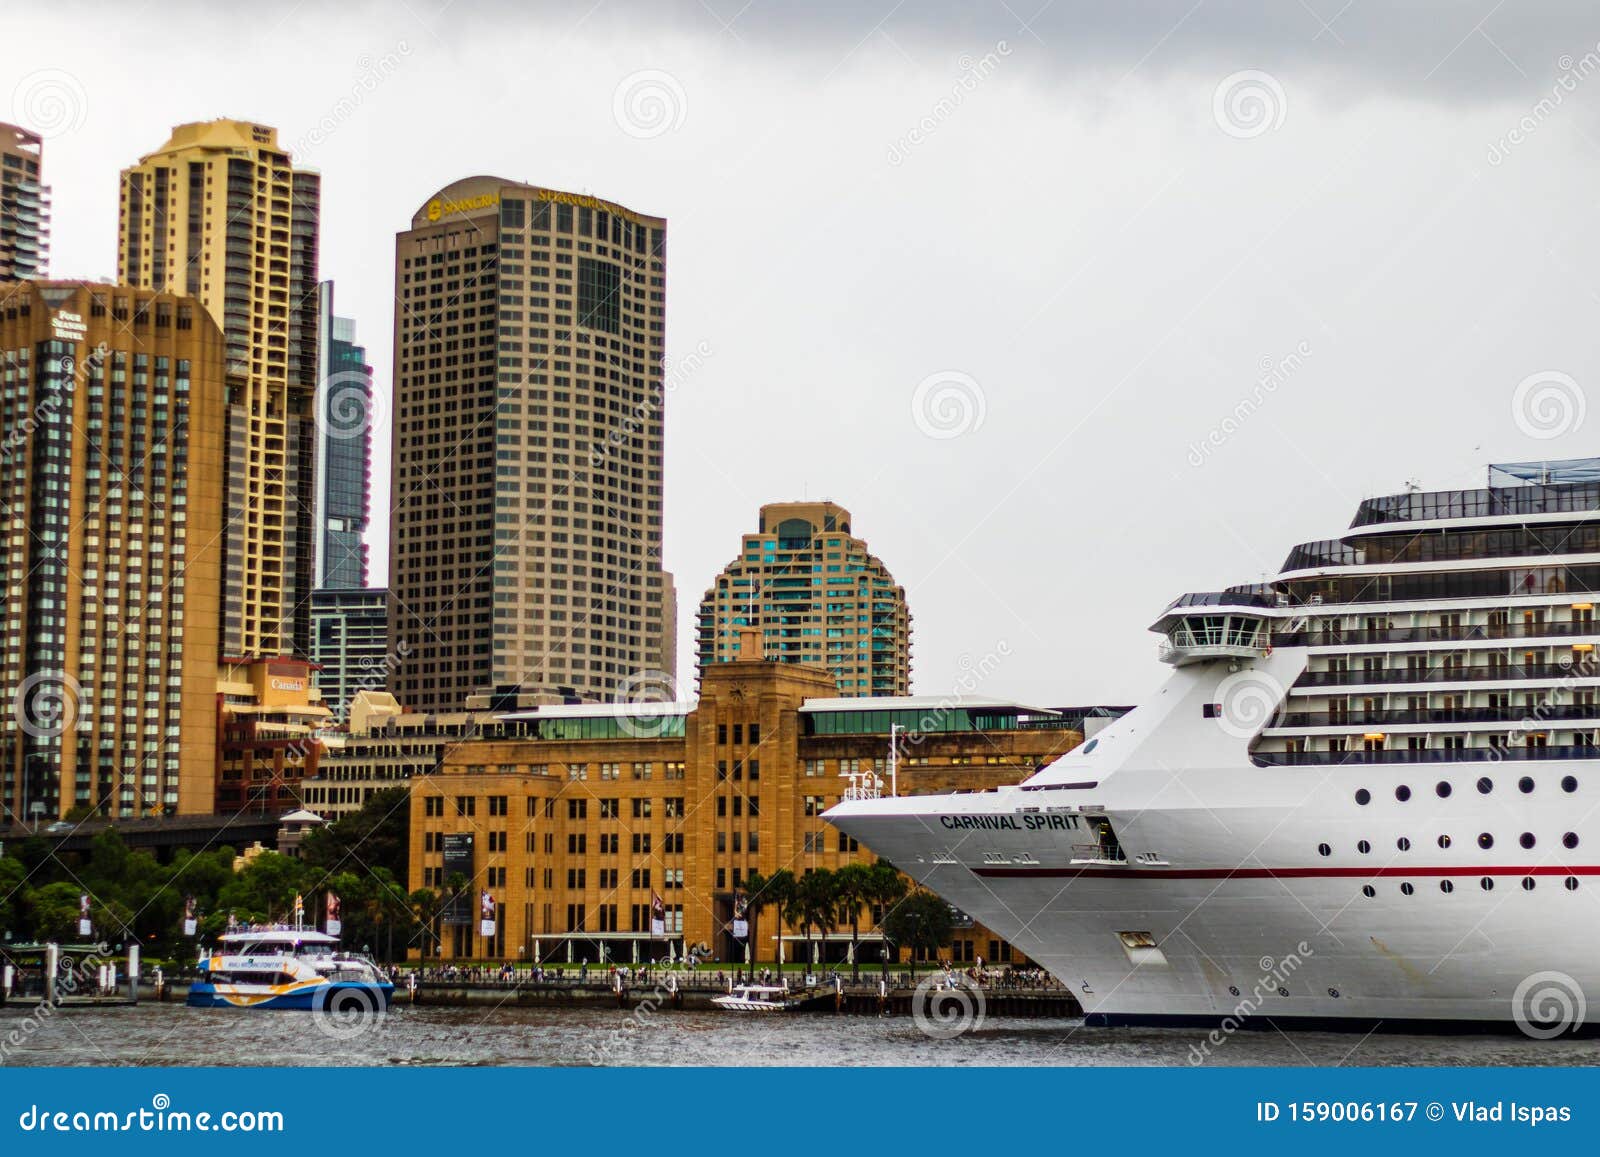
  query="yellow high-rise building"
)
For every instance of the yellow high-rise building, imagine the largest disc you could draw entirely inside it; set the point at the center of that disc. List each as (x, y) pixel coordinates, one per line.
(111, 416)
(220, 214)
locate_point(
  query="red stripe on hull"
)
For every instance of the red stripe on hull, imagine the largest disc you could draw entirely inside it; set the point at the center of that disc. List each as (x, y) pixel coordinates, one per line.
(1291, 873)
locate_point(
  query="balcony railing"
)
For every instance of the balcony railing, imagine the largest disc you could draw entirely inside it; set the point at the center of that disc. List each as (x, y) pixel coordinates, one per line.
(1425, 755)
(1431, 715)
(1355, 637)
(1512, 672)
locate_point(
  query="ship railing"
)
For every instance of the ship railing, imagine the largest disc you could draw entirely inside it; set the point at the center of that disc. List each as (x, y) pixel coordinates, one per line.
(1478, 673)
(1352, 636)
(1433, 715)
(1098, 853)
(1426, 755)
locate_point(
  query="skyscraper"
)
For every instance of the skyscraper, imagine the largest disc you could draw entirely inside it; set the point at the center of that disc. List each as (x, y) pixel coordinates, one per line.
(527, 424)
(24, 205)
(349, 644)
(344, 450)
(111, 424)
(818, 595)
(218, 213)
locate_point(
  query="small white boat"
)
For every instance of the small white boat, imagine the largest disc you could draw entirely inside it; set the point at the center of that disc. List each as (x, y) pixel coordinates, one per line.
(753, 998)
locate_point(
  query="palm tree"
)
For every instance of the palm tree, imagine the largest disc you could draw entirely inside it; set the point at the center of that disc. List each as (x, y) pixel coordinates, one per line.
(761, 893)
(851, 886)
(815, 902)
(888, 888)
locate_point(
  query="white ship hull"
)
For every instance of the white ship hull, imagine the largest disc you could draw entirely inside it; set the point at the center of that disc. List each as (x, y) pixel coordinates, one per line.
(1223, 871)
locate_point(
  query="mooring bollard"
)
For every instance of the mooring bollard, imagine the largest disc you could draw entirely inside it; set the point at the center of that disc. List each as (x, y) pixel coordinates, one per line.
(52, 961)
(133, 974)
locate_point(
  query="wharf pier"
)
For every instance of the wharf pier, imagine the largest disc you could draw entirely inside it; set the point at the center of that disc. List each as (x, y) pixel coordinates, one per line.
(869, 996)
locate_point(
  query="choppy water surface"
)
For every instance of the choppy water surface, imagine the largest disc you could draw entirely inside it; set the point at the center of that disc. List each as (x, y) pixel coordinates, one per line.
(170, 1034)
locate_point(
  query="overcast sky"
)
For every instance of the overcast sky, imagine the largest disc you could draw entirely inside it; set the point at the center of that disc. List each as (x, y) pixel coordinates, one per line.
(1005, 282)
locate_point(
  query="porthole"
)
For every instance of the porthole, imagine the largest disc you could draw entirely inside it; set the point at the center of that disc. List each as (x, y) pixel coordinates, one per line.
(1402, 793)
(1363, 797)
(1527, 840)
(1485, 841)
(1090, 746)
(1406, 889)
(1572, 883)
(1324, 850)
(1525, 785)
(1487, 883)
(1403, 843)
(1527, 883)
(1369, 891)
(1363, 847)
(1446, 886)
(1443, 789)
(1570, 840)
(1485, 785)
(1444, 841)
(1569, 783)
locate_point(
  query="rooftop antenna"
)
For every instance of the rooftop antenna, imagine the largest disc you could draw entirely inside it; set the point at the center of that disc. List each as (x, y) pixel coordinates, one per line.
(1413, 486)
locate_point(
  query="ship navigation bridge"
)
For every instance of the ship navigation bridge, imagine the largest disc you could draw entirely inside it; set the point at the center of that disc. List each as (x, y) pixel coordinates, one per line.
(1216, 625)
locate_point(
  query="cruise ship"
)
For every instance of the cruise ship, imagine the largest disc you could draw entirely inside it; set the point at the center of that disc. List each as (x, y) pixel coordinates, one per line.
(1365, 795)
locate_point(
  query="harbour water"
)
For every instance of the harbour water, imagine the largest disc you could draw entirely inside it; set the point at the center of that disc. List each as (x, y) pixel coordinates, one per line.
(169, 1034)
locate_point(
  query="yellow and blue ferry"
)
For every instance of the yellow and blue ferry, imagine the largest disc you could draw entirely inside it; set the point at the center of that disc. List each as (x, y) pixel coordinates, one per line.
(290, 968)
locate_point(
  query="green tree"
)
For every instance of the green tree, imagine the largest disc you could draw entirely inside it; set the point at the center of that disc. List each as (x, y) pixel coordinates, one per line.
(852, 887)
(887, 887)
(922, 922)
(13, 876)
(812, 905)
(265, 888)
(377, 835)
(763, 893)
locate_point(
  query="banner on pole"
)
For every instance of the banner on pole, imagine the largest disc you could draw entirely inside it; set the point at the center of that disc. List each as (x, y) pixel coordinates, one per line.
(486, 914)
